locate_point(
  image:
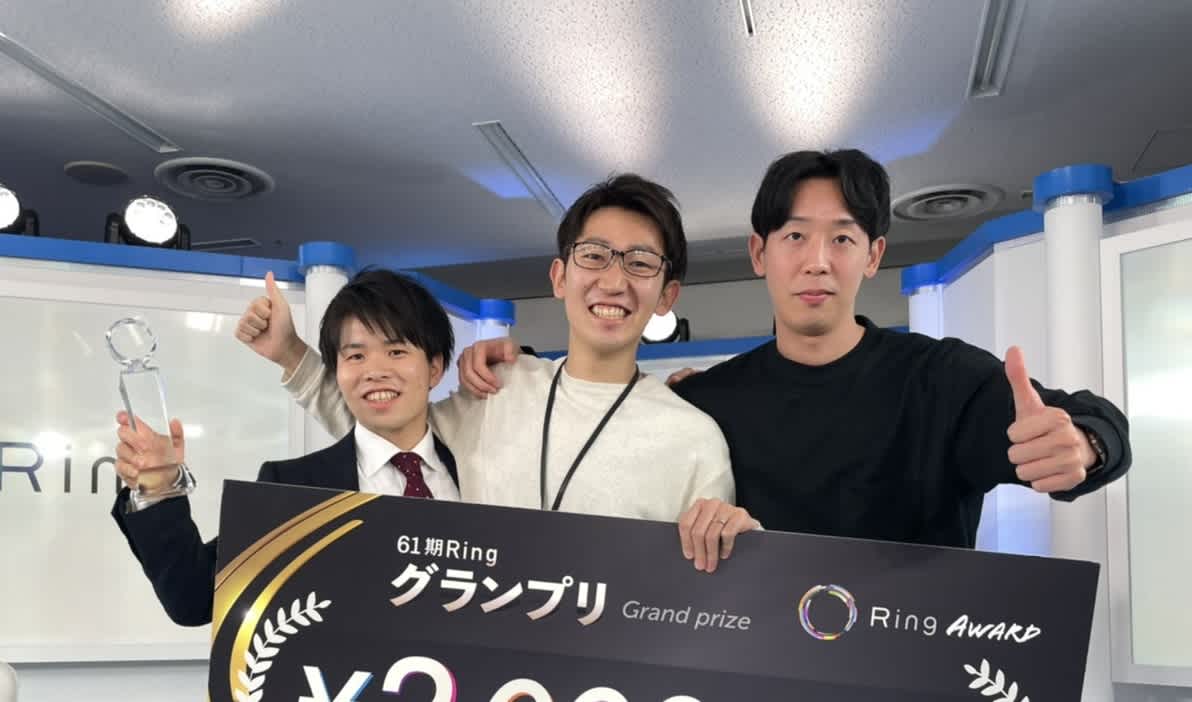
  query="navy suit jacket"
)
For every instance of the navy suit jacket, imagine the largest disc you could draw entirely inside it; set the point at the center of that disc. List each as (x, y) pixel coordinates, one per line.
(181, 567)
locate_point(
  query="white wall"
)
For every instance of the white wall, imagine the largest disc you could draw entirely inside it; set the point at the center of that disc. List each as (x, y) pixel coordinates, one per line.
(716, 310)
(113, 682)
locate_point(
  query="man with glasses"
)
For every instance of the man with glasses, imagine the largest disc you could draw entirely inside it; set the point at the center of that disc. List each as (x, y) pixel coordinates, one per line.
(588, 433)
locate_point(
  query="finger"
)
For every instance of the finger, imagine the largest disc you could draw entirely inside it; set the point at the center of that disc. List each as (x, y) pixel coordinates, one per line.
(483, 373)
(699, 533)
(127, 473)
(490, 353)
(122, 417)
(131, 458)
(1059, 483)
(277, 301)
(178, 438)
(1051, 420)
(1026, 398)
(260, 308)
(253, 323)
(686, 522)
(739, 522)
(507, 350)
(130, 437)
(1038, 449)
(271, 287)
(468, 377)
(247, 333)
(712, 538)
(1066, 462)
(679, 375)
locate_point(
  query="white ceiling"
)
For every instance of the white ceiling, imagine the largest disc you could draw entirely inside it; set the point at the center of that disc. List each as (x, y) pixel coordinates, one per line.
(362, 111)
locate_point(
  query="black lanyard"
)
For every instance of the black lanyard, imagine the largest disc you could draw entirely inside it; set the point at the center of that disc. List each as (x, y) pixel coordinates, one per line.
(550, 405)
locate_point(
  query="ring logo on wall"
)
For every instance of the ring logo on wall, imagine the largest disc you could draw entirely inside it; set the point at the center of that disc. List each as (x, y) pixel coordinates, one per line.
(39, 467)
(830, 628)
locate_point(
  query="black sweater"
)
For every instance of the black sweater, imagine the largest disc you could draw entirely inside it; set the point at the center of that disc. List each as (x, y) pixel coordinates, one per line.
(898, 440)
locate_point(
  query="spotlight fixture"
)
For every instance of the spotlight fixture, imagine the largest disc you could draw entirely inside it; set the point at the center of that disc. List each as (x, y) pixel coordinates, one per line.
(665, 329)
(147, 221)
(14, 220)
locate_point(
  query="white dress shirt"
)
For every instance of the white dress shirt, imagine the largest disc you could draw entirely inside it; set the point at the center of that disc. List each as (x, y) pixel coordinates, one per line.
(377, 475)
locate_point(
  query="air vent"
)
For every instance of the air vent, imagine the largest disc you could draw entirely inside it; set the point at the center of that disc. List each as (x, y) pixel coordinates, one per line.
(213, 179)
(946, 202)
(224, 244)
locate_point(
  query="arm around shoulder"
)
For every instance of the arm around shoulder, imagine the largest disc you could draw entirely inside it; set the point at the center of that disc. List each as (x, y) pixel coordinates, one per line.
(316, 391)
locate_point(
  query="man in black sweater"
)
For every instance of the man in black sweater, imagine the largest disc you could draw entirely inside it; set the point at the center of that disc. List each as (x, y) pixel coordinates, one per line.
(841, 428)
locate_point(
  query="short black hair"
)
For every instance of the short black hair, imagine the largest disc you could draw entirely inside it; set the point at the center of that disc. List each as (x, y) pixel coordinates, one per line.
(391, 304)
(634, 193)
(863, 181)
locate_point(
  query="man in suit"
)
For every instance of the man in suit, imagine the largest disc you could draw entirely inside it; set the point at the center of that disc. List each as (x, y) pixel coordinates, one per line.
(386, 340)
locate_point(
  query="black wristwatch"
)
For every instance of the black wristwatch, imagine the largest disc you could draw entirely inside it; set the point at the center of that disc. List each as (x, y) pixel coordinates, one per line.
(1098, 448)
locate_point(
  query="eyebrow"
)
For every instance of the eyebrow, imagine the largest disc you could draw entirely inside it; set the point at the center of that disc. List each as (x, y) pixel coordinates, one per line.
(843, 221)
(636, 247)
(356, 345)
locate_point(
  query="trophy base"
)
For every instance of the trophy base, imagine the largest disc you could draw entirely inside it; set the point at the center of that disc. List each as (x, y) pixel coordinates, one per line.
(184, 484)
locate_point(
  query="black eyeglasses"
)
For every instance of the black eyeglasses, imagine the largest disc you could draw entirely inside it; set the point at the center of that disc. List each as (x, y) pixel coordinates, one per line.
(638, 263)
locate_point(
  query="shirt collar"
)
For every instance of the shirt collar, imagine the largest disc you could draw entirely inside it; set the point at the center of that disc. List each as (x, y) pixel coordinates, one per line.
(373, 452)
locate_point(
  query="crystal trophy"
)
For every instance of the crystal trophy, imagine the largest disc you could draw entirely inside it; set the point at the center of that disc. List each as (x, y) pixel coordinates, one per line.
(133, 344)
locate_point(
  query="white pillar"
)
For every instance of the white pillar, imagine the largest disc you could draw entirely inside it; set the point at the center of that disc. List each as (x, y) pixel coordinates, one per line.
(1072, 225)
(322, 283)
(495, 319)
(491, 329)
(326, 266)
(927, 311)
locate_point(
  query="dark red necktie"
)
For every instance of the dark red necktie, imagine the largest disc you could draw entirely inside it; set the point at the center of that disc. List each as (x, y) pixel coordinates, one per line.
(410, 466)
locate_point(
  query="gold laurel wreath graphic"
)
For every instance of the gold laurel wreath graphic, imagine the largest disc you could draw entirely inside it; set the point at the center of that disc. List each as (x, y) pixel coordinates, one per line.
(234, 579)
(276, 632)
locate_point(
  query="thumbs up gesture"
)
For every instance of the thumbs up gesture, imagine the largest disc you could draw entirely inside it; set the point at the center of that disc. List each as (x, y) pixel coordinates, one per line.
(268, 328)
(1050, 452)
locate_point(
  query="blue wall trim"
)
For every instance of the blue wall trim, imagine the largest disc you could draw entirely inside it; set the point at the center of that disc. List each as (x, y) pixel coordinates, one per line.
(461, 304)
(1156, 188)
(125, 256)
(455, 301)
(1125, 196)
(1088, 178)
(326, 253)
(969, 252)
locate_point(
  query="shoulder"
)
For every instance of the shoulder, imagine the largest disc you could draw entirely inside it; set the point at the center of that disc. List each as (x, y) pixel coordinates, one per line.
(726, 374)
(527, 369)
(948, 354)
(668, 407)
(294, 470)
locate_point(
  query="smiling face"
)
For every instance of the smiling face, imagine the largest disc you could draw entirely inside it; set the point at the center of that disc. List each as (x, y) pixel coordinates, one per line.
(814, 263)
(386, 383)
(608, 310)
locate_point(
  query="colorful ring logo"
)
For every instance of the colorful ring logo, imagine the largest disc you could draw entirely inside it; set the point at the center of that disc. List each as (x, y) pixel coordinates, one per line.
(835, 591)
